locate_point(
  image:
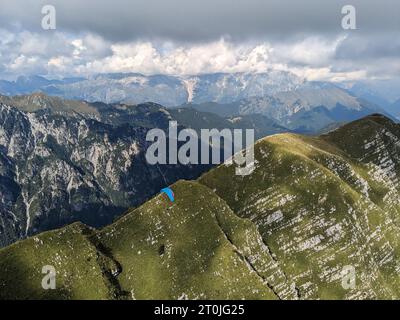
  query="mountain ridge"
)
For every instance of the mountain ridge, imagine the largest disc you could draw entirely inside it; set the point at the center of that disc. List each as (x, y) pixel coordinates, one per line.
(306, 110)
(310, 208)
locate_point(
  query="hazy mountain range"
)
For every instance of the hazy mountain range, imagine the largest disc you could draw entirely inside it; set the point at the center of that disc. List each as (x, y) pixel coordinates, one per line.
(291, 101)
(167, 90)
(308, 109)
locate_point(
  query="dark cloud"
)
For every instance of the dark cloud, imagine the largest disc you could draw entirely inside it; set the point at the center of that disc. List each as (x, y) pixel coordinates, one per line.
(188, 20)
(376, 45)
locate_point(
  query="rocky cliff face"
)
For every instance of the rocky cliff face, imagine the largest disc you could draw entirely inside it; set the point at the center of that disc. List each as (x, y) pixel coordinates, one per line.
(57, 167)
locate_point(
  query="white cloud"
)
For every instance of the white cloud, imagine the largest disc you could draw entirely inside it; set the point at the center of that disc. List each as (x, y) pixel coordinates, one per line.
(218, 56)
(61, 54)
(311, 50)
(327, 74)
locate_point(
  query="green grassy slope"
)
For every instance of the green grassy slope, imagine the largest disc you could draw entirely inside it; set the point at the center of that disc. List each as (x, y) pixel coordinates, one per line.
(193, 248)
(79, 265)
(311, 207)
(319, 210)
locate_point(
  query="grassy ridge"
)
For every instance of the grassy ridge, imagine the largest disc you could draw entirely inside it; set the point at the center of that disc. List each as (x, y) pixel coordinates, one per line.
(78, 264)
(319, 210)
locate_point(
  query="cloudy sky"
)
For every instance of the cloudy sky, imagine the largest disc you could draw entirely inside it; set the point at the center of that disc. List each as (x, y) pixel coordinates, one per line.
(190, 37)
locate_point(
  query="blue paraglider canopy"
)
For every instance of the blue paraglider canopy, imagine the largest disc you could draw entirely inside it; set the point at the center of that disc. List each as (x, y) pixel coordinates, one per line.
(168, 191)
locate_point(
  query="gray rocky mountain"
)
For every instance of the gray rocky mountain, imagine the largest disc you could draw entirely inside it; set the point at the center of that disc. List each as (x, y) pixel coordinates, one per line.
(134, 88)
(308, 109)
(59, 166)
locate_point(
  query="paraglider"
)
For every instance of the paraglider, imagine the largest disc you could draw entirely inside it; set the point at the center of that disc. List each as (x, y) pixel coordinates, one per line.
(168, 191)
